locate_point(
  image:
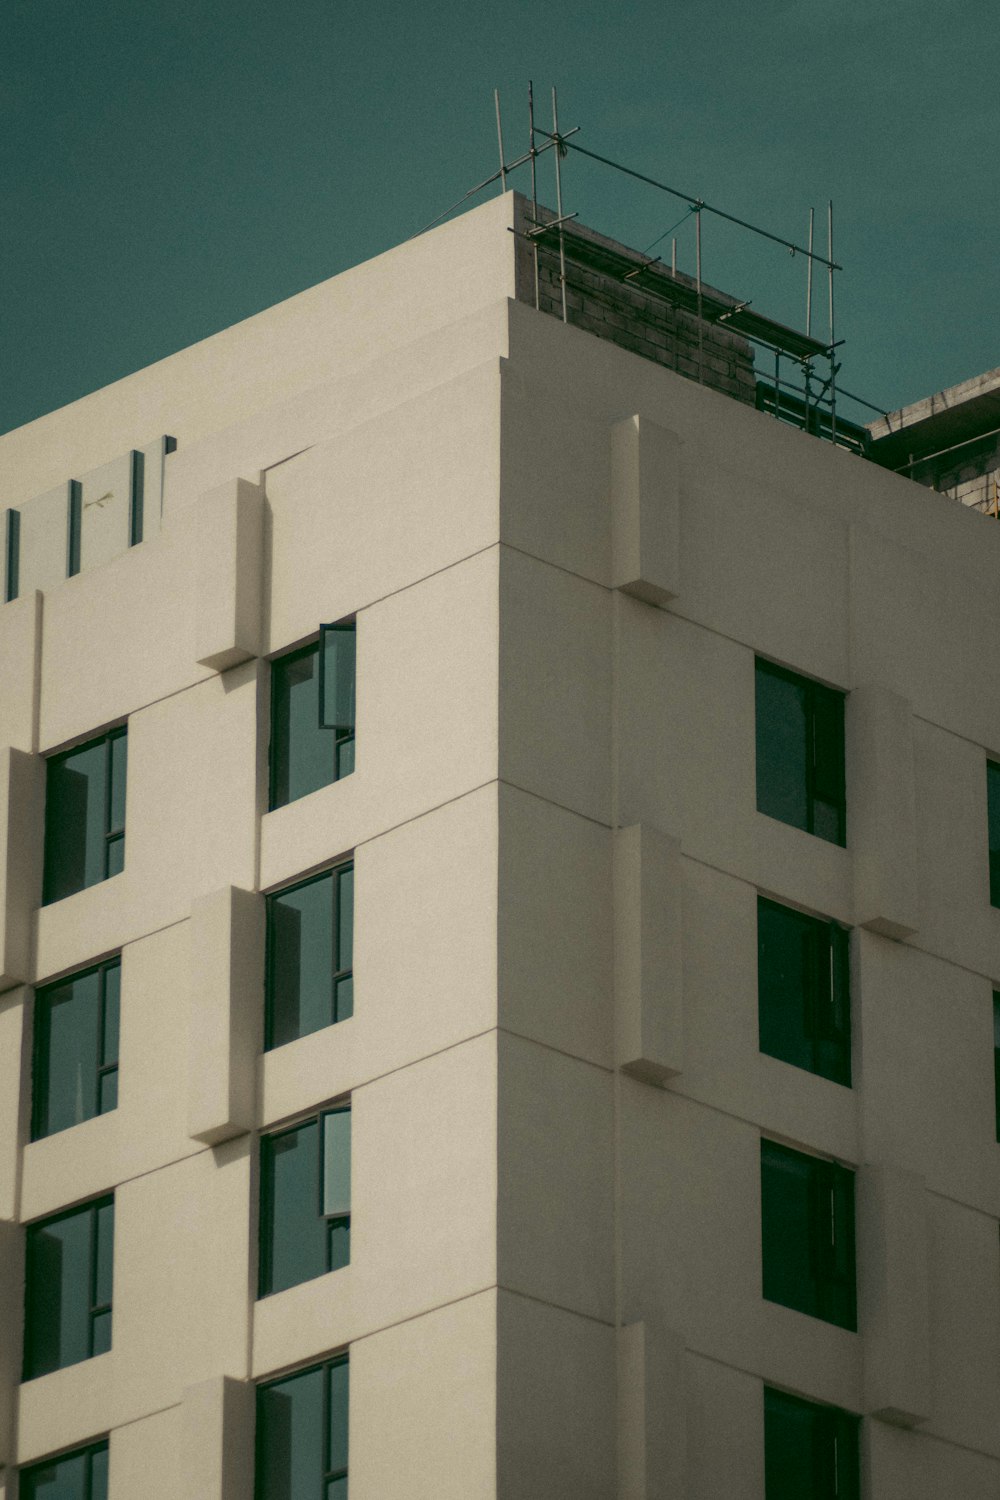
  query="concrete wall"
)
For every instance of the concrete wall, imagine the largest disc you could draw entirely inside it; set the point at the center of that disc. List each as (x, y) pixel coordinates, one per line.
(562, 561)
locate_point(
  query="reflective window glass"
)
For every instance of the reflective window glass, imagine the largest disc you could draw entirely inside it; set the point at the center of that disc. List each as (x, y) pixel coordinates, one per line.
(302, 1435)
(800, 752)
(75, 1476)
(85, 816)
(810, 1451)
(305, 1201)
(807, 1234)
(312, 715)
(75, 1049)
(68, 1266)
(310, 953)
(803, 988)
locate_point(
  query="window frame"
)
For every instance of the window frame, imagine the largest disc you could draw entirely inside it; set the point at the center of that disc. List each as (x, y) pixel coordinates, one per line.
(95, 1309)
(334, 873)
(266, 1218)
(831, 1249)
(818, 696)
(313, 647)
(113, 834)
(41, 1046)
(826, 1020)
(88, 1451)
(327, 1366)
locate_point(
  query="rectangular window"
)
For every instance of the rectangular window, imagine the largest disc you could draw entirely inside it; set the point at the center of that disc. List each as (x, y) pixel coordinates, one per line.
(807, 1234)
(305, 1201)
(82, 1475)
(68, 1286)
(800, 752)
(13, 555)
(810, 1451)
(313, 715)
(74, 524)
(803, 991)
(310, 956)
(993, 811)
(302, 1434)
(75, 1074)
(85, 815)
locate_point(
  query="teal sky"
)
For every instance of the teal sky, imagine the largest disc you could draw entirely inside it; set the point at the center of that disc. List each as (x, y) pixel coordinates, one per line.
(168, 168)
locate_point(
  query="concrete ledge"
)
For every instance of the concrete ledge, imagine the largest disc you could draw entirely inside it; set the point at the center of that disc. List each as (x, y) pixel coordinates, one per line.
(894, 1311)
(881, 811)
(217, 1418)
(229, 532)
(645, 501)
(652, 1413)
(227, 1007)
(20, 670)
(22, 838)
(647, 879)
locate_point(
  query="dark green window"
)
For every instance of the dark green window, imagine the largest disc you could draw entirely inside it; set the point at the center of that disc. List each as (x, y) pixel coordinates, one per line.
(800, 752)
(85, 815)
(993, 806)
(807, 1234)
(82, 1475)
(69, 1272)
(313, 715)
(810, 1451)
(302, 1435)
(305, 1201)
(310, 956)
(13, 551)
(803, 991)
(75, 1074)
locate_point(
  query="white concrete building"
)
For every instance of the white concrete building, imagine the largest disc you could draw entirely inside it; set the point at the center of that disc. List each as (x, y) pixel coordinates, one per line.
(665, 1016)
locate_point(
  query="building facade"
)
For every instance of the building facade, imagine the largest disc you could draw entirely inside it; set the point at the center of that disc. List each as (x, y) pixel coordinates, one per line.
(500, 898)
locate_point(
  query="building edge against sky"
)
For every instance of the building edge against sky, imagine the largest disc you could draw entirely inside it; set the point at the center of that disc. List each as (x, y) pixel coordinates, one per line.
(571, 574)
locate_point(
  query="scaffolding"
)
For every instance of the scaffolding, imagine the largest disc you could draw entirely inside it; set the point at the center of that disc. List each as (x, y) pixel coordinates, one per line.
(804, 390)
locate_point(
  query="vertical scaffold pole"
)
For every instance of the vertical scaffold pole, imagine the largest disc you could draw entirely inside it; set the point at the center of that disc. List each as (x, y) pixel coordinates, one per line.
(534, 183)
(833, 354)
(503, 164)
(809, 276)
(559, 211)
(701, 326)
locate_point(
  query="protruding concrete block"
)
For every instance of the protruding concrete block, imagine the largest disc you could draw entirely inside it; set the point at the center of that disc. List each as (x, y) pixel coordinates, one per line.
(44, 544)
(218, 1439)
(11, 1314)
(652, 1413)
(22, 834)
(14, 1048)
(227, 1007)
(648, 953)
(881, 811)
(646, 516)
(894, 1312)
(20, 670)
(229, 532)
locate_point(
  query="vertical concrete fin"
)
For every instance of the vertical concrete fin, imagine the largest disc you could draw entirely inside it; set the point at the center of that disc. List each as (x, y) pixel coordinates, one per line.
(217, 1421)
(15, 1045)
(648, 953)
(894, 1313)
(11, 1310)
(227, 1003)
(20, 670)
(652, 1416)
(22, 808)
(645, 508)
(881, 811)
(229, 535)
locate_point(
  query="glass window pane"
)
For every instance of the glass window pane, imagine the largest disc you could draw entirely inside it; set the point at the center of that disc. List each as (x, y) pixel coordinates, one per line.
(105, 1248)
(993, 803)
(345, 757)
(782, 747)
(301, 961)
(102, 1332)
(792, 1452)
(62, 1479)
(75, 805)
(344, 1007)
(338, 1250)
(303, 755)
(108, 1092)
(293, 1232)
(336, 1489)
(337, 1162)
(784, 1005)
(99, 1474)
(57, 1318)
(116, 855)
(112, 1005)
(828, 753)
(66, 1053)
(119, 765)
(787, 1198)
(290, 1433)
(345, 917)
(339, 1397)
(337, 645)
